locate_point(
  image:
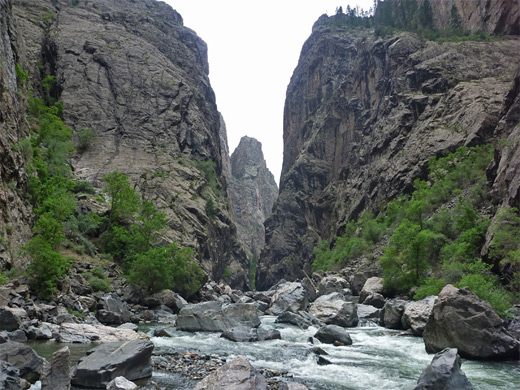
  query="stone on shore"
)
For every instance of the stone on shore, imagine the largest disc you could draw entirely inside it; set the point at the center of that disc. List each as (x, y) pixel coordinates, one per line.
(238, 374)
(444, 373)
(217, 317)
(130, 359)
(112, 310)
(8, 320)
(86, 333)
(121, 383)
(462, 320)
(165, 297)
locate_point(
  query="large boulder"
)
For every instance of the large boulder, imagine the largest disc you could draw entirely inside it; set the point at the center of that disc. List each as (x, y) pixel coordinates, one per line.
(86, 333)
(56, 375)
(130, 359)
(462, 320)
(331, 284)
(23, 358)
(416, 314)
(444, 373)
(373, 285)
(302, 319)
(394, 310)
(165, 297)
(367, 314)
(238, 374)
(112, 310)
(8, 320)
(216, 316)
(332, 309)
(333, 334)
(290, 296)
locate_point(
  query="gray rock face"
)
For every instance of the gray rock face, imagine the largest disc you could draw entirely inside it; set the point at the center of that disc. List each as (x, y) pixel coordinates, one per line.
(216, 316)
(56, 375)
(238, 374)
(363, 116)
(130, 359)
(130, 72)
(332, 309)
(331, 334)
(444, 373)
(253, 191)
(462, 320)
(23, 358)
(291, 296)
(416, 314)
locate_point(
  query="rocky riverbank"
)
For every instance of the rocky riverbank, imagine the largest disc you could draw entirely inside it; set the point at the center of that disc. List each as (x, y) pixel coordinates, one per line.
(329, 303)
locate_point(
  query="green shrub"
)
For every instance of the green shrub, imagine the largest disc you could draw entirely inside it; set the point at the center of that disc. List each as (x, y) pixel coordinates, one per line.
(21, 76)
(167, 267)
(430, 286)
(99, 284)
(3, 279)
(86, 138)
(84, 187)
(208, 169)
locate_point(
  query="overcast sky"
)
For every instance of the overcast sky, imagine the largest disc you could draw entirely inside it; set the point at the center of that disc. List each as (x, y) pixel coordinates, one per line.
(253, 48)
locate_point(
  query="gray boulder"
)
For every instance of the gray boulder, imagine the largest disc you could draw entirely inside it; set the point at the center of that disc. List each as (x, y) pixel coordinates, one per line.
(23, 358)
(416, 314)
(87, 333)
(331, 284)
(43, 332)
(56, 375)
(333, 334)
(394, 310)
(444, 373)
(376, 300)
(121, 383)
(8, 320)
(371, 286)
(244, 333)
(462, 320)
(112, 310)
(238, 374)
(368, 313)
(332, 309)
(216, 316)
(130, 359)
(9, 377)
(290, 296)
(165, 297)
(302, 319)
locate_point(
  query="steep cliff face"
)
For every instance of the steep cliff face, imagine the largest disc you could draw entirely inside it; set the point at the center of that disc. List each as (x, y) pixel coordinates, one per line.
(15, 214)
(363, 116)
(253, 191)
(136, 79)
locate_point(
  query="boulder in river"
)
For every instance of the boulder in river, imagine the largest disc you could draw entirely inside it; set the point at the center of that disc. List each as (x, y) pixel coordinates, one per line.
(216, 316)
(333, 309)
(302, 319)
(290, 296)
(244, 333)
(333, 334)
(371, 286)
(444, 373)
(394, 310)
(462, 320)
(131, 359)
(238, 374)
(23, 358)
(331, 284)
(416, 314)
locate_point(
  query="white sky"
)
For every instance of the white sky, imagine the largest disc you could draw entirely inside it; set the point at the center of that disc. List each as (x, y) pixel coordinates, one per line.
(253, 49)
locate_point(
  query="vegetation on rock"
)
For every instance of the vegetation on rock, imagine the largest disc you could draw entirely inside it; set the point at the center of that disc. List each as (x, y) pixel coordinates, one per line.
(435, 236)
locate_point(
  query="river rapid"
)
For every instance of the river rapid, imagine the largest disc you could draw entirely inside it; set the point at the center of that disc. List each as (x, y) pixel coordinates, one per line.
(377, 359)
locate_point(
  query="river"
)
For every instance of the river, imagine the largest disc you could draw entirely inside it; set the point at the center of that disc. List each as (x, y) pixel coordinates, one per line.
(377, 359)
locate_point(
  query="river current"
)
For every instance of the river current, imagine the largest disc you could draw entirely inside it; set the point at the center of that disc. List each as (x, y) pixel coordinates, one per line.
(377, 359)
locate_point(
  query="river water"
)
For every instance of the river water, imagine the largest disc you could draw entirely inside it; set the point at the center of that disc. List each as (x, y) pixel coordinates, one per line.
(377, 359)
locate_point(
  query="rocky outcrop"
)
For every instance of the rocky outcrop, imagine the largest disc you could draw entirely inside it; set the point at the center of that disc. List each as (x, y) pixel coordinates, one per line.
(444, 373)
(15, 214)
(56, 375)
(253, 191)
(130, 359)
(462, 320)
(24, 358)
(132, 75)
(363, 115)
